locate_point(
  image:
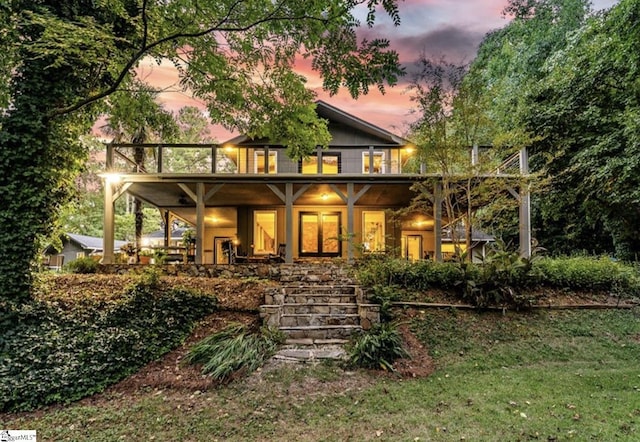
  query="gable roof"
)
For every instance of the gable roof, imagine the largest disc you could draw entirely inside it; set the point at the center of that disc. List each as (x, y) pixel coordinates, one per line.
(335, 115)
(175, 233)
(91, 242)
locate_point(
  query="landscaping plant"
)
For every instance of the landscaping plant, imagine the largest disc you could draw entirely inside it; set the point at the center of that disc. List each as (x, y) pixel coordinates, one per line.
(234, 349)
(64, 350)
(377, 348)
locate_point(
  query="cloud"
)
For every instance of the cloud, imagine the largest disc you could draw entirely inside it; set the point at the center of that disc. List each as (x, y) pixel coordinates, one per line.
(458, 45)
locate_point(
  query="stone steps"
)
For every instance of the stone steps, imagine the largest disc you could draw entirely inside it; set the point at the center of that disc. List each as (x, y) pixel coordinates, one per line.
(314, 319)
(319, 298)
(320, 309)
(317, 318)
(316, 332)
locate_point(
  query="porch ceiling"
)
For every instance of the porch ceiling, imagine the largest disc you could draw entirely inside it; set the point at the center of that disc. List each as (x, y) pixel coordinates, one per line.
(169, 195)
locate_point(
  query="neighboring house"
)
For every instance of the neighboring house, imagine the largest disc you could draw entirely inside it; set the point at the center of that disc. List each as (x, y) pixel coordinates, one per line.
(157, 239)
(75, 246)
(333, 204)
(479, 243)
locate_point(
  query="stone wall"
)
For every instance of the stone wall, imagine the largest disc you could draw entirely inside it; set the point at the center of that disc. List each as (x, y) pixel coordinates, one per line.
(287, 274)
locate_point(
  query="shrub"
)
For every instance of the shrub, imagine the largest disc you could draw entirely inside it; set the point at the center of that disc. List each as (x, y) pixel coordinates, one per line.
(385, 295)
(57, 355)
(234, 349)
(421, 275)
(588, 273)
(377, 348)
(82, 265)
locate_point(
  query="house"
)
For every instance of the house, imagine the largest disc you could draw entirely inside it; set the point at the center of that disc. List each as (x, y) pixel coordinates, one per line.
(334, 204)
(75, 246)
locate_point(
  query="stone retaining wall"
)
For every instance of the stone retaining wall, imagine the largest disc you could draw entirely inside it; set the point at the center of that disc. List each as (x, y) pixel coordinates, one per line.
(303, 273)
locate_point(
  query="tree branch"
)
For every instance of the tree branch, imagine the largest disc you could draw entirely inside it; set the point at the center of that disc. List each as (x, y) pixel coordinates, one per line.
(145, 48)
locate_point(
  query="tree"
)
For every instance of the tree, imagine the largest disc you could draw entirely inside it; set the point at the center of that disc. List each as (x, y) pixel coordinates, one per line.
(588, 109)
(63, 58)
(453, 119)
(512, 70)
(136, 117)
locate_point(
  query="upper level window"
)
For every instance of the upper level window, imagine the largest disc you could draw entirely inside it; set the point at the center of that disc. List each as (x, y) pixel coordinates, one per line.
(330, 164)
(259, 162)
(378, 162)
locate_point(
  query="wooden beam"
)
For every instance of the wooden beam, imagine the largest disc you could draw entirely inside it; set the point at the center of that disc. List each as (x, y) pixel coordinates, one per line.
(188, 191)
(200, 223)
(213, 191)
(437, 220)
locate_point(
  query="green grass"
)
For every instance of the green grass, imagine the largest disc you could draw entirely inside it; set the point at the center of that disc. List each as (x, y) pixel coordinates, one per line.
(570, 375)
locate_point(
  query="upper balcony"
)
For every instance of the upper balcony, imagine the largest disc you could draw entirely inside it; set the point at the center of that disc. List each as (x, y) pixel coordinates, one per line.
(269, 162)
(264, 161)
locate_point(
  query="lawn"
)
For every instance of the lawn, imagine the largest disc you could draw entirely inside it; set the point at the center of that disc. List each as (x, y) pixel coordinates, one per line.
(561, 375)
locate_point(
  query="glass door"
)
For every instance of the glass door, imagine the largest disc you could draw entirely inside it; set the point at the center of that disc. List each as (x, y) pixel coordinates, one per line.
(412, 247)
(319, 234)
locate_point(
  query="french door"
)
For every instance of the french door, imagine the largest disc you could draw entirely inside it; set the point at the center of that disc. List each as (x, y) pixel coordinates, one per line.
(319, 234)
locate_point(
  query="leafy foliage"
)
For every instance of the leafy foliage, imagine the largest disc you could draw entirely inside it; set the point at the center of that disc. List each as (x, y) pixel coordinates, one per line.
(82, 265)
(234, 349)
(63, 352)
(64, 58)
(504, 278)
(377, 348)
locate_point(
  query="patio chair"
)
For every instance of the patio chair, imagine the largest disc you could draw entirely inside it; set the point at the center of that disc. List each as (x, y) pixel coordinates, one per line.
(280, 256)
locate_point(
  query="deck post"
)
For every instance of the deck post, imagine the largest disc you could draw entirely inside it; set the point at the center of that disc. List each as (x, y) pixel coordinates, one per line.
(350, 221)
(108, 223)
(525, 207)
(288, 202)
(437, 220)
(199, 259)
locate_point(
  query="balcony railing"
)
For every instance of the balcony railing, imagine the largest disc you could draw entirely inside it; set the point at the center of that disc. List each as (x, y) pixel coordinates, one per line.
(259, 160)
(251, 160)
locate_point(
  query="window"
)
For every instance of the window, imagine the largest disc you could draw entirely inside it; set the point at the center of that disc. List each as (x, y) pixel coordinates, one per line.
(330, 164)
(259, 162)
(80, 255)
(264, 232)
(378, 162)
(373, 235)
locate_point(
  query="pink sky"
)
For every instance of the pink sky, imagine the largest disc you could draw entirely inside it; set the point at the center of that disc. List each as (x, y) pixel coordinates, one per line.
(450, 28)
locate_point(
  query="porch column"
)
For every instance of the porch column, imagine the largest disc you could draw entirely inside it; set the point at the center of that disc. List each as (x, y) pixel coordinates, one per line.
(525, 207)
(437, 220)
(199, 259)
(108, 227)
(111, 195)
(351, 198)
(288, 216)
(168, 220)
(350, 221)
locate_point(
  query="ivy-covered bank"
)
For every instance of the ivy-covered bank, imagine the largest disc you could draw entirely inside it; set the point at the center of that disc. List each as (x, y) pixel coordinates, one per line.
(70, 347)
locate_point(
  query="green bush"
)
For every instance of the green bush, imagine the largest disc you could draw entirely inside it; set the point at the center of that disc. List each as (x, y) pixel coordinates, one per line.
(504, 278)
(422, 275)
(377, 348)
(234, 349)
(588, 273)
(385, 295)
(81, 265)
(54, 355)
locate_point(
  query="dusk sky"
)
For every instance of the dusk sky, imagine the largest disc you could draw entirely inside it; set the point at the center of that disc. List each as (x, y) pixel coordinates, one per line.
(449, 28)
